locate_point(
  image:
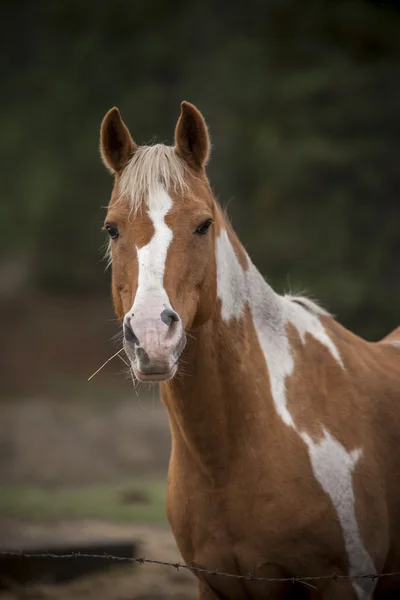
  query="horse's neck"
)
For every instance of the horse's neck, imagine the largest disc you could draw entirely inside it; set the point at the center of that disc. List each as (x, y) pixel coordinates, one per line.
(221, 400)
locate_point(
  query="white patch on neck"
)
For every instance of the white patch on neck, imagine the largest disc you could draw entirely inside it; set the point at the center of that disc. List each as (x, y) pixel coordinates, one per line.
(332, 464)
(152, 257)
(231, 289)
(308, 322)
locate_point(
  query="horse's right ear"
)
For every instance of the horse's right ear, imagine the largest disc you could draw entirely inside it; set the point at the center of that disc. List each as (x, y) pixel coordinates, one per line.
(116, 145)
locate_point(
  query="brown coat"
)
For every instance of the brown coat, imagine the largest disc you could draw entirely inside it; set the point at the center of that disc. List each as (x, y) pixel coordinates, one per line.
(285, 426)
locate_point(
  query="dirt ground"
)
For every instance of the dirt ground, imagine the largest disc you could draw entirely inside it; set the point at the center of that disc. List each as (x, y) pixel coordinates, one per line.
(50, 443)
(80, 438)
(141, 582)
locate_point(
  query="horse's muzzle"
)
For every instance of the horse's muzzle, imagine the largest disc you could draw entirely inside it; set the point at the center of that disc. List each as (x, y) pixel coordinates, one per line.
(154, 344)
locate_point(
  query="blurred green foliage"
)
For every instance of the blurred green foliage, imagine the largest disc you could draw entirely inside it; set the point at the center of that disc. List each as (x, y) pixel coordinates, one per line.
(100, 501)
(302, 99)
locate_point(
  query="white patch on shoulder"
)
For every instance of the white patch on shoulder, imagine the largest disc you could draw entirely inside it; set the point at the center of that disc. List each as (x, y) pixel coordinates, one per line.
(332, 464)
(152, 257)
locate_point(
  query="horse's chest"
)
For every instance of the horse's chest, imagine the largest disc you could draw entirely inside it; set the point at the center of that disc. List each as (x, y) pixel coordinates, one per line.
(208, 543)
(259, 532)
(241, 532)
(238, 542)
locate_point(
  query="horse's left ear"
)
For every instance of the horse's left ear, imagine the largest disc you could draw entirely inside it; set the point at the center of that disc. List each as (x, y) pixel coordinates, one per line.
(116, 145)
(192, 141)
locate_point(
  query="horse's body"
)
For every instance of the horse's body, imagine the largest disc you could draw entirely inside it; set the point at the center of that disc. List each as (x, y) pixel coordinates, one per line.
(285, 426)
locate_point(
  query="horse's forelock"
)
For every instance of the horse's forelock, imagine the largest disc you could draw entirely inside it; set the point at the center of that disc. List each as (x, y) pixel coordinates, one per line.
(149, 167)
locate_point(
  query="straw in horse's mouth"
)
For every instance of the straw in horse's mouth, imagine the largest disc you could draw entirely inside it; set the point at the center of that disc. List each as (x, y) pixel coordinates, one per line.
(108, 360)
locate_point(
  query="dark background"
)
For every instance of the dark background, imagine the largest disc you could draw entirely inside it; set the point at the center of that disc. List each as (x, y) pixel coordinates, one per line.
(302, 99)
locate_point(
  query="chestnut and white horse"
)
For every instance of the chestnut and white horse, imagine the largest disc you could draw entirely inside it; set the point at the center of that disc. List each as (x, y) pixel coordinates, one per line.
(285, 426)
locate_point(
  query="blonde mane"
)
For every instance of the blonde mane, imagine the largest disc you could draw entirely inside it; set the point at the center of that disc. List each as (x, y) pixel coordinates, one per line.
(310, 305)
(149, 167)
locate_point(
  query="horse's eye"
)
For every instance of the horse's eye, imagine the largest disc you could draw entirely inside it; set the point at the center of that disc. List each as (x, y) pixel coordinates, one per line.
(204, 227)
(112, 231)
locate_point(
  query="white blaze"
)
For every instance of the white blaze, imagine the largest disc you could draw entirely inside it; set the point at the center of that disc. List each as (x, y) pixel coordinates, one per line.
(152, 257)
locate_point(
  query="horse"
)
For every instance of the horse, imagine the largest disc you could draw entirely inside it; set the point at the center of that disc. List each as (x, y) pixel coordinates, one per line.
(285, 425)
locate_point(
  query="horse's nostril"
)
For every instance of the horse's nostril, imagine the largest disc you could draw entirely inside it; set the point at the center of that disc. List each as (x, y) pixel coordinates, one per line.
(142, 355)
(129, 335)
(169, 316)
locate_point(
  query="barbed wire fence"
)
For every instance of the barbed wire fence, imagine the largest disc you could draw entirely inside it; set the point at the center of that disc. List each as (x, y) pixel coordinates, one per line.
(212, 572)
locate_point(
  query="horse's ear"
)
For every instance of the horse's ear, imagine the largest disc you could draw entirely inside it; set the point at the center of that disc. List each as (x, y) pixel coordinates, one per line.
(192, 141)
(116, 144)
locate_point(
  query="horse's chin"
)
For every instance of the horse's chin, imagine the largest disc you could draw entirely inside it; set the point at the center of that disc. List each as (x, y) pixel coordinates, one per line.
(156, 377)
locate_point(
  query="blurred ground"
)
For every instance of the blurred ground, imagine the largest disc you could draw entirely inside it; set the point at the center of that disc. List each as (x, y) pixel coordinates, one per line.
(147, 582)
(103, 437)
(84, 468)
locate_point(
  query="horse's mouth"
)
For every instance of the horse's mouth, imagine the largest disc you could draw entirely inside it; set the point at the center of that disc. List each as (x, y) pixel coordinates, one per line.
(156, 377)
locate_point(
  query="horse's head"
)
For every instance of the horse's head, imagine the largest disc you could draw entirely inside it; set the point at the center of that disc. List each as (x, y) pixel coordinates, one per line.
(161, 221)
